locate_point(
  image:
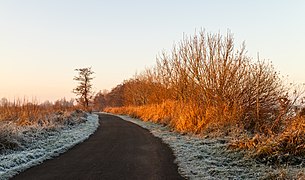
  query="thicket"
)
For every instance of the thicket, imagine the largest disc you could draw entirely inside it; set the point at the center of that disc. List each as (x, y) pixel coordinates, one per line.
(206, 85)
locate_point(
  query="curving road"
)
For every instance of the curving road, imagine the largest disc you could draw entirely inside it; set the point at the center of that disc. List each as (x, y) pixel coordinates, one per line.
(117, 150)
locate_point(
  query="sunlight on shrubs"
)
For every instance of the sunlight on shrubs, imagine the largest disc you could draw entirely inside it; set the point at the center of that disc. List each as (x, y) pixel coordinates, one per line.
(206, 86)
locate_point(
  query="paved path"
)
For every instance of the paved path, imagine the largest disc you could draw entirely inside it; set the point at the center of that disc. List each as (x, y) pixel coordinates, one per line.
(117, 150)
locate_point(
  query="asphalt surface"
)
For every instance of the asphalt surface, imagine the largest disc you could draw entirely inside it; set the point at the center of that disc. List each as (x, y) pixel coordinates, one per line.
(117, 150)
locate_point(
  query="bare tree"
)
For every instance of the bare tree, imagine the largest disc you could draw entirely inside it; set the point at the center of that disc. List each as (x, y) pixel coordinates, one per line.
(84, 88)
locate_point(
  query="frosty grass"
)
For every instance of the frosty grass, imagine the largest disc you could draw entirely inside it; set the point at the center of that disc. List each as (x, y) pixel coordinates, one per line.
(200, 158)
(46, 146)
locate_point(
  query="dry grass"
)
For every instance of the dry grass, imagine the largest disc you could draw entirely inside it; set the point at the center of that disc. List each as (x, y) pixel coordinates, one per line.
(284, 148)
(186, 118)
(287, 147)
(159, 113)
(18, 116)
(283, 174)
(25, 113)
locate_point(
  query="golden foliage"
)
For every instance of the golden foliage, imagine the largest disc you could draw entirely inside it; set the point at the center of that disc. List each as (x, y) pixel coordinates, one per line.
(186, 118)
(206, 86)
(277, 148)
(25, 113)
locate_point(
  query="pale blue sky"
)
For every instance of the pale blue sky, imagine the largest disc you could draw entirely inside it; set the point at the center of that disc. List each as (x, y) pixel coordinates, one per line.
(42, 42)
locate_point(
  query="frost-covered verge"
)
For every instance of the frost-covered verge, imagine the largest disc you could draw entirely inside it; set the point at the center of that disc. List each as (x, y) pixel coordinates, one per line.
(37, 145)
(206, 158)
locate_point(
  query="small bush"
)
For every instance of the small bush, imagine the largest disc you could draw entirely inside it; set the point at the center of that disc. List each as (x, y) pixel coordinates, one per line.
(287, 147)
(10, 136)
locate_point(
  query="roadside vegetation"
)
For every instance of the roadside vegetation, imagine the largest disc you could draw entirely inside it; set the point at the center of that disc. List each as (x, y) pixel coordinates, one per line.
(19, 118)
(207, 86)
(31, 133)
(22, 117)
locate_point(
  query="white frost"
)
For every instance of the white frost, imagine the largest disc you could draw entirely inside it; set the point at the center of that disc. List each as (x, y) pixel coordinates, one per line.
(200, 158)
(46, 146)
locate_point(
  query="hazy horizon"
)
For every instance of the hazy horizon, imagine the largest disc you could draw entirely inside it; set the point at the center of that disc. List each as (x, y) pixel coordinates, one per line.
(42, 42)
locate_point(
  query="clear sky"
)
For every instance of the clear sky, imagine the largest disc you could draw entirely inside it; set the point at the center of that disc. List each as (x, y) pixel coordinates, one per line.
(43, 41)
